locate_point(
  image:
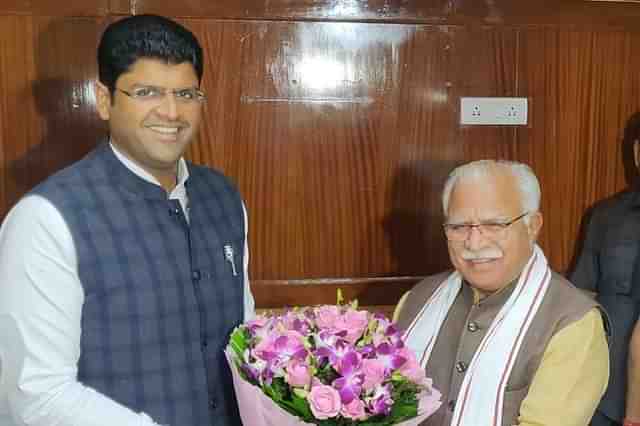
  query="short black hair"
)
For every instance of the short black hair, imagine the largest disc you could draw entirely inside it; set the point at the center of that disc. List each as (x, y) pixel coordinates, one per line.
(145, 36)
(632, 129)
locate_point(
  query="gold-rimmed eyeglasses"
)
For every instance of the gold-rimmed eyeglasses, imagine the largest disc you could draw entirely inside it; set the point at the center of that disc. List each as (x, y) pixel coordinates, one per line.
(152, 94)
(495, 231)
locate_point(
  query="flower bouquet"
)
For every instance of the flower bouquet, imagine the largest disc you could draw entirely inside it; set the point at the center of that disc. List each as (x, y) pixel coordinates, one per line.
(327, 365)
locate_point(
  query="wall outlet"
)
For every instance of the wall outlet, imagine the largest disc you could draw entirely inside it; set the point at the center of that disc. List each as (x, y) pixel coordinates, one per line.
(494, 111)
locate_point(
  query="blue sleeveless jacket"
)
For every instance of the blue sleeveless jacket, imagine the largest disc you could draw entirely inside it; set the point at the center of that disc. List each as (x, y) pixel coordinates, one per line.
(161, 294)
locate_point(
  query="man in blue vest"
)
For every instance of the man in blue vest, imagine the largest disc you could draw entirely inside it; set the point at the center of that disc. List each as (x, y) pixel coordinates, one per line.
(122, 276)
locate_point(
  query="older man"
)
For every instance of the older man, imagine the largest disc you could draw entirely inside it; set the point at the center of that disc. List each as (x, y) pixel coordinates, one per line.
(506, 340)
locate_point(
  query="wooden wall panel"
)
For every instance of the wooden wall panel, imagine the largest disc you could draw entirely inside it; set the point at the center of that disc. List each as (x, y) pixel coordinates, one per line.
(437, 12)
(54, 8)
(340, 125)
(328, 143)
(584, 86)
(46, 99)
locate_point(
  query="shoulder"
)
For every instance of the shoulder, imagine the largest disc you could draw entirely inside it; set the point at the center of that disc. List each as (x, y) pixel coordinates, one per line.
(205, 175)
(76, 175)
(414, 299)
(429, 284)
(612, 208)
(35, 223)
(565, 302)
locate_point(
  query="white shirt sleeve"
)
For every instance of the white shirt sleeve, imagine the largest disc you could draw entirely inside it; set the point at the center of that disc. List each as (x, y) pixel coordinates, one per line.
(249, 302)
(41, 300)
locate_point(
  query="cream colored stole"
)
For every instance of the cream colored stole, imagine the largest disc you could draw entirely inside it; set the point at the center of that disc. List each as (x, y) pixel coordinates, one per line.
(481, 396)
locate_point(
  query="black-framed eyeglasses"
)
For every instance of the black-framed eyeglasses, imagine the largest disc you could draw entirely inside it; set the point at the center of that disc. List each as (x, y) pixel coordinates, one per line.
(151, 94)
(493, 230)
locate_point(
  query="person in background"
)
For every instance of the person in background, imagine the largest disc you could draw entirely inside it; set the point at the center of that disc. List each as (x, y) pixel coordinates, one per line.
(122, 276)
(506, 340)
(606, 266)
(632, 409)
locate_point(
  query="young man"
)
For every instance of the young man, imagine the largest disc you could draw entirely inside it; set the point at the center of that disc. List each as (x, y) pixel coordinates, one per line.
(122, 275)
(506, 340)
(609, 266)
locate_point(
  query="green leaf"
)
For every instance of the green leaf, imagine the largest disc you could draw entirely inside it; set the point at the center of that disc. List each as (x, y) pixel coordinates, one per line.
(239, 341)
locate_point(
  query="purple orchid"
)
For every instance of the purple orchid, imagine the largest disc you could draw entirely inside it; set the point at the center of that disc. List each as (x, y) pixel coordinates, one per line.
(277, 350)
(381, 401)
(333, 348)
(390, 355)
(349, 385)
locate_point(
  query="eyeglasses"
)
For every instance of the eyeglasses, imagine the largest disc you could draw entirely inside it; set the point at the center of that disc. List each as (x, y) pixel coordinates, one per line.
(493, 230)
(153, 94)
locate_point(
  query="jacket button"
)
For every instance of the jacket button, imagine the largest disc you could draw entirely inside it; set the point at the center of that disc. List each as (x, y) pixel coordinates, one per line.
(461, 367)
(195, 275)
(451, 405)
(472, 326)
(213, 404)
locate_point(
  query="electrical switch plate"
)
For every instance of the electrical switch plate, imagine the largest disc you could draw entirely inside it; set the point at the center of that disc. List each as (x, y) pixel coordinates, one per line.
(494, 111)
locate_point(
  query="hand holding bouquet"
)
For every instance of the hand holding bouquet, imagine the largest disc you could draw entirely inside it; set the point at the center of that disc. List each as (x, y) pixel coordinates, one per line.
(327, 365)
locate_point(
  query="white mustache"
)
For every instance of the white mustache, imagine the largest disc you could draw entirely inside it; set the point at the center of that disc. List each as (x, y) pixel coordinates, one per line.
(487, 253)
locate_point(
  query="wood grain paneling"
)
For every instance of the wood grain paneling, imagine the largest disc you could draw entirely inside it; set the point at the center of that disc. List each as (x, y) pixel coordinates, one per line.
(328, 143)
(340, 123)
(437, 12)
(368, 292)
(584, 85)
(46, 99)
(54, 8)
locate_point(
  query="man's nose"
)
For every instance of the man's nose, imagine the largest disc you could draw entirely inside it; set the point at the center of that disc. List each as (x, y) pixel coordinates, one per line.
(168, 108)
(475, 239)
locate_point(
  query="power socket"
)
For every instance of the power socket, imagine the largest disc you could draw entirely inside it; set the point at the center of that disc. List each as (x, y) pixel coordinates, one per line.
(494, 111)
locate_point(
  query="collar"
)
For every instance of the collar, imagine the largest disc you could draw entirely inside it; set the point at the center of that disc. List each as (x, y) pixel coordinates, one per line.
(182, 172)
(495, 298)
(136, 169)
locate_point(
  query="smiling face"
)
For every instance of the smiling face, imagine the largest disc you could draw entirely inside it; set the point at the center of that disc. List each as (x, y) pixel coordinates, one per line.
(154, 134)
(489, 265)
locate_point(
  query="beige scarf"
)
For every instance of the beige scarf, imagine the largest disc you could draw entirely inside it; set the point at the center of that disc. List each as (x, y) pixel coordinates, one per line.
(481, 394)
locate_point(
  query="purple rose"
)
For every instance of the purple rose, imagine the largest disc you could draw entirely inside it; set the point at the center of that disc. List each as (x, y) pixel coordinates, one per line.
(298, 373)
(411, 369)
(327, 316)
(374, 373)
(324, 401)
(354, 323)
(354, 410)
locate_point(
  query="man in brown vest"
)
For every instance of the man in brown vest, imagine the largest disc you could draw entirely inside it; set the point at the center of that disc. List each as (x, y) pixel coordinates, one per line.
(506, 340)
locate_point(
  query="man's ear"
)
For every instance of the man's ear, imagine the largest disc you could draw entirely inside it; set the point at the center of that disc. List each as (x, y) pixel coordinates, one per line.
(636, 153)
(534, 226)
(103, 101)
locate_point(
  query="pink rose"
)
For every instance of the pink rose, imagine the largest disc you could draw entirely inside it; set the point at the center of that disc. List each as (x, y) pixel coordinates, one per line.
(324, 401)
(298, 374)
(326, 316)
(354, 410)
(411, 369)
(374, 373)
(354, 322)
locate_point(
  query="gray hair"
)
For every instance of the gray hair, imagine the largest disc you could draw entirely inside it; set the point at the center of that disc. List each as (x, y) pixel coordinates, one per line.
(527, 182)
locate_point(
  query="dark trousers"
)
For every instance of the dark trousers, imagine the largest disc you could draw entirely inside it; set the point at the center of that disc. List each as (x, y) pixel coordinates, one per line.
(600, 419)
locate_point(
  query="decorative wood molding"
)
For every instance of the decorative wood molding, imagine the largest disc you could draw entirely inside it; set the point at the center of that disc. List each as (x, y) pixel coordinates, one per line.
(384, 291)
